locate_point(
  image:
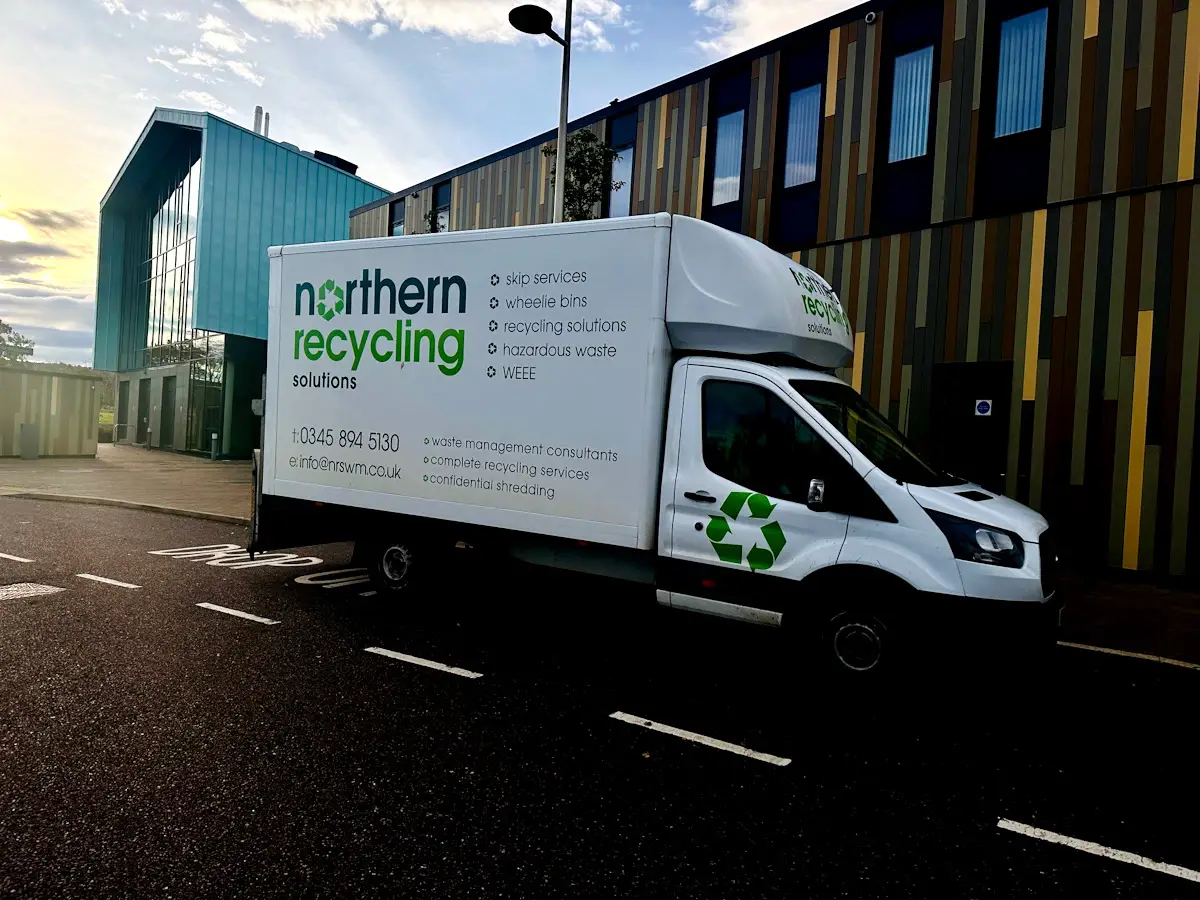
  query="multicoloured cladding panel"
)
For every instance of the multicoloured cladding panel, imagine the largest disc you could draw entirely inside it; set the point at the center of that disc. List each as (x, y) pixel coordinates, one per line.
(1098, 306)
(1105, 358)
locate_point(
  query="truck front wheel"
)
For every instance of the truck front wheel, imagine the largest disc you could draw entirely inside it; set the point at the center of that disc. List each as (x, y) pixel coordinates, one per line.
(858, 641)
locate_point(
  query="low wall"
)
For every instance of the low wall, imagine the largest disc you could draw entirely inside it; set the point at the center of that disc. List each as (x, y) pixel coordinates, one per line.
(66, 409)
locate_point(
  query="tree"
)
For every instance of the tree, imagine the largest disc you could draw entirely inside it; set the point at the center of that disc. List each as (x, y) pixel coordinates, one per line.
(14, 346)
(589, 174)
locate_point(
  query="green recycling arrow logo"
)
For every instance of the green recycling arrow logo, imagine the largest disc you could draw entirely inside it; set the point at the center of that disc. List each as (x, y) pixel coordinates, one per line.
(332, 290)
(760, 507)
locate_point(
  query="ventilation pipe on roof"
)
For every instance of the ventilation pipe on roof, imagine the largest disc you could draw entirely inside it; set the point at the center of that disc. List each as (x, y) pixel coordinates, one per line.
(267, 125)
(258, 120)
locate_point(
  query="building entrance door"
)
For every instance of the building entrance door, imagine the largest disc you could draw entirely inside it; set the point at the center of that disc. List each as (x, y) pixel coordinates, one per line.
(969, 420)
(166, 420)
(121, 431)
(143, 410)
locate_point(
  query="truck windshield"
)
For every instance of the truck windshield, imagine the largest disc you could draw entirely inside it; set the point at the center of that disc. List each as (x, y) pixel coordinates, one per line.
(874, 436)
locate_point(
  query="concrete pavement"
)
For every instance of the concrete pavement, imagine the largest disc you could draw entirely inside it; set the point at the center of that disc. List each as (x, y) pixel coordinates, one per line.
(130, 474)
(153, 747)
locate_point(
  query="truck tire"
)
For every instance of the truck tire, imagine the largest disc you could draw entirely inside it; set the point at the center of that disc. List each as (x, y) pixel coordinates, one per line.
(396, 566)
(858, 643)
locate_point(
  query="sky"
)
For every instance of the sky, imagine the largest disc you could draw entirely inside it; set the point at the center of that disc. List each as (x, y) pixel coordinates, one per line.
(404, 88)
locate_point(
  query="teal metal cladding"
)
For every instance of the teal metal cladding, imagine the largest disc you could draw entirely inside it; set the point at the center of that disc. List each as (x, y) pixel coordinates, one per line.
(254, 193)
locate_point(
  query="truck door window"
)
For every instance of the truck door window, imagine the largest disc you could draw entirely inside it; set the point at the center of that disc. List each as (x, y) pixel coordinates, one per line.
(755, 439)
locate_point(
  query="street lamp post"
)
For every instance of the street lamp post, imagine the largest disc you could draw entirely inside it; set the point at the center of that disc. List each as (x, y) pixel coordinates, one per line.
(531, 19)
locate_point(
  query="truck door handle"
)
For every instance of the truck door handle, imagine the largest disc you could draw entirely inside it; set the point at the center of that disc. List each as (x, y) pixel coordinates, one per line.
(700, 496)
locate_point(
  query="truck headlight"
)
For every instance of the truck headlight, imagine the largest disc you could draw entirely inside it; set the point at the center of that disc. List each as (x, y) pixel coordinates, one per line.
(980, 543)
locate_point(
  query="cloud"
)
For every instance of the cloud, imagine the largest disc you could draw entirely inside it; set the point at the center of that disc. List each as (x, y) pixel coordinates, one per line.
(145, 96)
(155, 61)
(46, 306)
(17, 257)
(199, 58)
(208, 101)
(226, 43)
(214, 23)
(735, 25)
(473, 20)
(244, 70)
(378, 30)
(115, 6)
(50, 220)
(178, 16)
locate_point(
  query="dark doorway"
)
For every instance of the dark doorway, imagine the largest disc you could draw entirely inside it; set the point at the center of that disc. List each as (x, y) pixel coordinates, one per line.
(969, 407)
(166, 419)
(143, 410)
(121, 432)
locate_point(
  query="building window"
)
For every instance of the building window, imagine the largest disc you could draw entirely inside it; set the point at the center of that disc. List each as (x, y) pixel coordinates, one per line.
(397, 219)
(622, 135)
(804, 122)
(912, 84)
(1022, 73)
(727, 168)
(441, 207)
(167, 272)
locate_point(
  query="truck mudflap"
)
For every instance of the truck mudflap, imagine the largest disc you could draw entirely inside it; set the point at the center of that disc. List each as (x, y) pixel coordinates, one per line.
(256, 504)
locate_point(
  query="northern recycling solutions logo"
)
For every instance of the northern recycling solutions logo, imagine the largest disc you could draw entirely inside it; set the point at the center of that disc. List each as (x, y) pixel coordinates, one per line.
(719, 529)
(328, 310)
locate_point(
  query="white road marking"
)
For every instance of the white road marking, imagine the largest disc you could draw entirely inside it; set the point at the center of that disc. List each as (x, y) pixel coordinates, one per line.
(1099, 850)
(1147, 656)
(700, 739)
(335, 578)
(238, 613)
(427, 663)
(25, 589)
(111, 581)
(14, 558)
(368, 593)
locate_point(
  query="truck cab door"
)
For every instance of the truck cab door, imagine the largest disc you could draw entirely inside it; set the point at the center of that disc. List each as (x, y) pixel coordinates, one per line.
(743, 531)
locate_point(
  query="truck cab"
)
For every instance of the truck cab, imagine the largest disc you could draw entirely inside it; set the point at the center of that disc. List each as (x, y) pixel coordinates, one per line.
(787, 498)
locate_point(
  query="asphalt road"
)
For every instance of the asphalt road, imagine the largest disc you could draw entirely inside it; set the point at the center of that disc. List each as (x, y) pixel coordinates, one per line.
(153, 747)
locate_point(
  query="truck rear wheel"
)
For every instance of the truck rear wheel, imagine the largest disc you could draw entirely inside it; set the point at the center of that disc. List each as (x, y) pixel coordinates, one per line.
(395, 566)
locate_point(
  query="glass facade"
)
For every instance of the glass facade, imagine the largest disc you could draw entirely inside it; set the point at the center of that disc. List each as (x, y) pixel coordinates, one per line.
(168, 272)
(1022, 73)
(206, 389)
(727, 172)
(911, 86)
(804, 123)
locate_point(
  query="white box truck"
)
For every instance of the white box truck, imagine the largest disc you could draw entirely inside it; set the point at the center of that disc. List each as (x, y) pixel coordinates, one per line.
(646, 398)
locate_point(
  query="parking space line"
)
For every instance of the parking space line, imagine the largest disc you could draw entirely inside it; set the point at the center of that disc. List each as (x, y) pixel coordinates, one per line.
(14, 558)
(26, 589)
(238, 613)
(1098, 850)
(111, 581)
(1147, 656)
(700, 739)
(368, 594)
(427, 663)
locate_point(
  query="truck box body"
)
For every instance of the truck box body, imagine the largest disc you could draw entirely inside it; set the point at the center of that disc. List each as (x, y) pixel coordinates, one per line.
(527, 393)
(514, 378)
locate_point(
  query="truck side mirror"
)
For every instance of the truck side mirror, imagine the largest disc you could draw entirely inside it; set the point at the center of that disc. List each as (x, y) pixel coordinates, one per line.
(816, 495)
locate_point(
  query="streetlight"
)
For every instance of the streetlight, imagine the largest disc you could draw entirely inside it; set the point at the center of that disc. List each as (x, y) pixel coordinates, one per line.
(531, 19)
